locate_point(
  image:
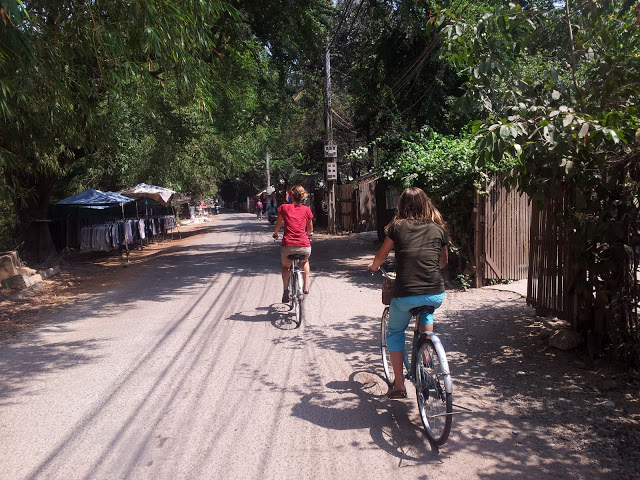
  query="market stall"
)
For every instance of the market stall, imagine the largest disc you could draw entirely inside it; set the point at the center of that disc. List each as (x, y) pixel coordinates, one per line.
(93, 220)
(165, 217)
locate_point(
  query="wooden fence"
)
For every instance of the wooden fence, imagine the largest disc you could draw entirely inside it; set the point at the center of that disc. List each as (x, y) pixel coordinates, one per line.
(346, 207)
(574, 289)
(503, 219)
(552, 270)
(367, 205)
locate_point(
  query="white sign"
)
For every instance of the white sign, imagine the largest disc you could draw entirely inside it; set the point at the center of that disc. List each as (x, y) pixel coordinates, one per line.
(332, 171)
(330, 150)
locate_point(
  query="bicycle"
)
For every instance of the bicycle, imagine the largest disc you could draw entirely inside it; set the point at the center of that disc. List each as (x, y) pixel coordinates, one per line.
(427, 369)
(296, 283)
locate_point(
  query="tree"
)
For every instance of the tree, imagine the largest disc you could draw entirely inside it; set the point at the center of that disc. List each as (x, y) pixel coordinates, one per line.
(108, 91)
(75, 60)
(559, 91)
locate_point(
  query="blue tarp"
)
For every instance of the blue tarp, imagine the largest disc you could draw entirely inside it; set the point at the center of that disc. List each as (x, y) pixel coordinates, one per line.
(92, 198)
(120, 198)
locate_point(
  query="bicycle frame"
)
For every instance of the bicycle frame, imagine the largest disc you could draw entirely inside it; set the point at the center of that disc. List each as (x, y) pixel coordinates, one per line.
(428, 370)
(410, 365)
(294, 271)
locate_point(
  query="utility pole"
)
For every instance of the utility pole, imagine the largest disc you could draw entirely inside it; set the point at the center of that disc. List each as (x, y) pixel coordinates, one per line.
(269, 189)
(330, 149)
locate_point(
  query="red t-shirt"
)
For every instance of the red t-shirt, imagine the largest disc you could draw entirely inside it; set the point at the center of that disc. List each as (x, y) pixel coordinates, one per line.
(295, 223)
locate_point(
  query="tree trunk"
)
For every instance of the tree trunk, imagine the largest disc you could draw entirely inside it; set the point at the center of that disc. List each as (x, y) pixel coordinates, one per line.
(31, 200)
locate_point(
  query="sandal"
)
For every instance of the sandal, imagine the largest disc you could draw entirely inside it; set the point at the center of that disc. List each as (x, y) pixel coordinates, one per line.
(397, 393)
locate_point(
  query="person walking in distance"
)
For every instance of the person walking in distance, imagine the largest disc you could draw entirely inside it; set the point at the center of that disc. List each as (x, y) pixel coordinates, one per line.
(259, 209)
(418, 234)
(298, 227)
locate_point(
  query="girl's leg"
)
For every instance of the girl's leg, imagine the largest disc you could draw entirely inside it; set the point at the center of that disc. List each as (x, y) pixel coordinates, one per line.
(399, 318)
(286, 273)
(426, 319)
(306, 270)
(397, 364)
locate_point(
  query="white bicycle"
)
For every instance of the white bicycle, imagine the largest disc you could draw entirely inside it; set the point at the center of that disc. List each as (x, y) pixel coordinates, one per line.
(428, 370)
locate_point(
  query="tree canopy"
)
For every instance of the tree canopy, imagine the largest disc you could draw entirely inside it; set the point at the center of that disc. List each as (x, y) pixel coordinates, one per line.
(109, 93)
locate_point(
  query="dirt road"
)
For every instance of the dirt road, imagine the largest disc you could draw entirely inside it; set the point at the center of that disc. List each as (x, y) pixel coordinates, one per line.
(190, 369)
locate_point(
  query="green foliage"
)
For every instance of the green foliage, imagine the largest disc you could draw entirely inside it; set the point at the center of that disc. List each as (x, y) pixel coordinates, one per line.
(9, 225)
(106, 94)
(393, 80)
(559, 91)
(465, 281)
(442, 165)
(560, 116)
(500, 281)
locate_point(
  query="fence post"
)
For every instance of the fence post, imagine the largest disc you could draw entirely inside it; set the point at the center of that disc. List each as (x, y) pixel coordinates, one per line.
(479, 213)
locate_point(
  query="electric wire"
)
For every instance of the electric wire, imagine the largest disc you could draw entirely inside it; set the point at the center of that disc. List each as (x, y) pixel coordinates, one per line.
(345, 10)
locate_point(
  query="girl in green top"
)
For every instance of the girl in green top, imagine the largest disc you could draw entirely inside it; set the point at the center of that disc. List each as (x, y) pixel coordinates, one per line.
(418, 235)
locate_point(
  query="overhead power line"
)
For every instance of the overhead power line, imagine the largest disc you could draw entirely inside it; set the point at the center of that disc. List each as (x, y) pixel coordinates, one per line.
(345, 10)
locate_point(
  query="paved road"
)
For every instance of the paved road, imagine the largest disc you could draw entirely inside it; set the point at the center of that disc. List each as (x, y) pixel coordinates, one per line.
(192, 371)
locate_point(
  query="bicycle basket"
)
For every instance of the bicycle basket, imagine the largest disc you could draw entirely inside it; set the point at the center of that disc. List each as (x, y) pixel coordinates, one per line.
(387, 288)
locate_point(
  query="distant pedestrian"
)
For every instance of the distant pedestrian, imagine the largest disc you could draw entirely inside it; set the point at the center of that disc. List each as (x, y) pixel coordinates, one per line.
(259, 209)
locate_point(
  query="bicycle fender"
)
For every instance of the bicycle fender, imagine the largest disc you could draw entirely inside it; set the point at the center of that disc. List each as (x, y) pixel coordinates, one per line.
(448, 385)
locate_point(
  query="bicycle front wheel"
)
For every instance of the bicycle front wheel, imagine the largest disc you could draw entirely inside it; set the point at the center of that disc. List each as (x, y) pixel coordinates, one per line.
(434, 403)
(384, 349)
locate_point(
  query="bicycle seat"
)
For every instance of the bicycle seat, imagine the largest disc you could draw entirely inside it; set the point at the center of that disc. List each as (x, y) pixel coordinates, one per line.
(296, 256)
(424, 308)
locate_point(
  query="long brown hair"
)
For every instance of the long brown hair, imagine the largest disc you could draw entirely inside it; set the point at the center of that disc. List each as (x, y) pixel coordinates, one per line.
(415, 205)
(298, 193)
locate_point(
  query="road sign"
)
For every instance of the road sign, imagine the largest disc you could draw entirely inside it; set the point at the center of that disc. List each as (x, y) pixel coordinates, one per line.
(332, 171)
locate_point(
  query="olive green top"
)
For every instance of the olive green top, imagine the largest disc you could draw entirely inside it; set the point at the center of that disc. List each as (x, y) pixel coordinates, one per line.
(417, 246)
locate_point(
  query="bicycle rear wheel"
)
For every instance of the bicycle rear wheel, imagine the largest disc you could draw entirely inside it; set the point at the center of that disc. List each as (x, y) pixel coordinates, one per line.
(292, 290)
(295, 299)
(384, 350)
(297, 302)
(434, 403)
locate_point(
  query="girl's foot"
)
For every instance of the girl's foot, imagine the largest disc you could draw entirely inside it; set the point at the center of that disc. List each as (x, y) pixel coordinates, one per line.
(397, 393)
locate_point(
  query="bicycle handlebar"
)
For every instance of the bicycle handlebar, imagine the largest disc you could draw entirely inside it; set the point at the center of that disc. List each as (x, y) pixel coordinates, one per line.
(384, 273)
(276, 236)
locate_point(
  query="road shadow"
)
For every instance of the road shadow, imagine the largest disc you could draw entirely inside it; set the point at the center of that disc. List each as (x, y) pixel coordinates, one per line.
(279, 315)
(529, 401)
(359, 406)
(526, 420)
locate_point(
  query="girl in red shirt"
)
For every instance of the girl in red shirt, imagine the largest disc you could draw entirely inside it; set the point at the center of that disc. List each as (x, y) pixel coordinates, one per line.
(298, 227)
